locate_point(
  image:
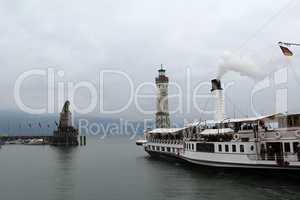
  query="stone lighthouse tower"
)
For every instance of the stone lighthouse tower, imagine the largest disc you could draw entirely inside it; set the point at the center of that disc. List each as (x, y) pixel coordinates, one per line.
(162, 110)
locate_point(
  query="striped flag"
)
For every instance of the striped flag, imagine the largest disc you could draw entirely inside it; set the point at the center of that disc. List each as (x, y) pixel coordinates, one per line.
(286, 51)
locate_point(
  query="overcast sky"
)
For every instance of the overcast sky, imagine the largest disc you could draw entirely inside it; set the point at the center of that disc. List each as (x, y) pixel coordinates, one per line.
(83, 38)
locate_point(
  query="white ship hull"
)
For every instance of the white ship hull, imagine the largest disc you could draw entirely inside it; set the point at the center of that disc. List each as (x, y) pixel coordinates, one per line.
(224, 160)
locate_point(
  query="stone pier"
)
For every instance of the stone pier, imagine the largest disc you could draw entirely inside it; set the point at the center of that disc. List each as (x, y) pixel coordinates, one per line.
(65, 134)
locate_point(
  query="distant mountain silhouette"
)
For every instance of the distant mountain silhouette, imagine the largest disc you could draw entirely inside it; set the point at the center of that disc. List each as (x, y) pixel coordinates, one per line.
(14, 123)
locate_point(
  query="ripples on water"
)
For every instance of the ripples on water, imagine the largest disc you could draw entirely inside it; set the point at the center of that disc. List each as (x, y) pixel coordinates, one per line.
(117, 169)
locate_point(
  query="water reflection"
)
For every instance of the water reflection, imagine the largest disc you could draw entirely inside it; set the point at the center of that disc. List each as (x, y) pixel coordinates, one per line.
(176, 180)
(117, 169)
(65, 159)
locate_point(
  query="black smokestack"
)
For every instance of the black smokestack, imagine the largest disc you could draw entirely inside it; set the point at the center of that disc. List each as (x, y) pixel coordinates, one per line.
(216, 85)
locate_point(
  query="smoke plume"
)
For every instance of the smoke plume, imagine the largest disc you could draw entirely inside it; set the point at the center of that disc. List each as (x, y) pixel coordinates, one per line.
(245, 66)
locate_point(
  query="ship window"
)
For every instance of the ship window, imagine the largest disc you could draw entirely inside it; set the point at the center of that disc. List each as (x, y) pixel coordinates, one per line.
(245, 139)
(233, 148)
(287, 147)
(242, 149)
(153, 147)
(162, 148)
(173, 149)
(226, 147)
(252, 148)
(192, 146)
(220, 148)
(296, 148)
(168, 149)
(205, 147)
(157, 148)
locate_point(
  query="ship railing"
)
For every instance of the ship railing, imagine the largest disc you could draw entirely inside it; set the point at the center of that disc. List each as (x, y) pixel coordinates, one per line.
(161, 141)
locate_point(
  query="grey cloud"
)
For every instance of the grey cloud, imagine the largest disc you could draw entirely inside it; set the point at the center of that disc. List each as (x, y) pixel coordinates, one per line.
(84, 37)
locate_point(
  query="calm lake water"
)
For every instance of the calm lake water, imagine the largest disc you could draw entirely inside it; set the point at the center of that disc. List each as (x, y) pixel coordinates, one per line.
(117, 169)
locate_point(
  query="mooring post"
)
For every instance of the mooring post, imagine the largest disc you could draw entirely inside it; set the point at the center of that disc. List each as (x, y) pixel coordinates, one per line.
(84, 140)
(81, 140)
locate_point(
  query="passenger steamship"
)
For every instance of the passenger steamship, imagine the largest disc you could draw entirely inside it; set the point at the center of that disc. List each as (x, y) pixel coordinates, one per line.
(269, 142)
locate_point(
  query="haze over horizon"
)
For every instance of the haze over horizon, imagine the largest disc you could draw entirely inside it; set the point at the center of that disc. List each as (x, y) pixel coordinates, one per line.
(81, 39)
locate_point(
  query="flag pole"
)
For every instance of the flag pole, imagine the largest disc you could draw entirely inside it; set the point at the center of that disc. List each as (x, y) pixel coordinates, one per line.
(288, 44)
